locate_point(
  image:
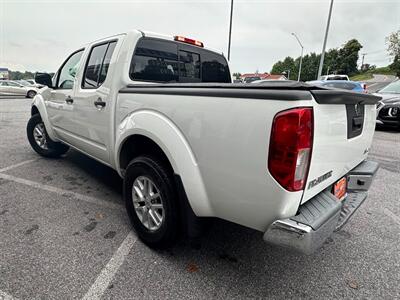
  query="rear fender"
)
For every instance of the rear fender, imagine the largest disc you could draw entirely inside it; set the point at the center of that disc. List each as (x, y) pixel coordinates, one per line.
(170, 139)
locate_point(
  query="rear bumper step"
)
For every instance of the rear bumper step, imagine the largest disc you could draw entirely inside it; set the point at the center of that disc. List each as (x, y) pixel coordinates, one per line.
(319, 217)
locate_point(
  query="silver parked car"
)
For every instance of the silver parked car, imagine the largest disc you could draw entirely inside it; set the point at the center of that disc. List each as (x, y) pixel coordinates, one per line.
(32, 82)
(9, 87)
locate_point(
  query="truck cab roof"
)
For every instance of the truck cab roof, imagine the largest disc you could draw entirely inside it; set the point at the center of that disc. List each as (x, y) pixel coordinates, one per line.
(155, 35)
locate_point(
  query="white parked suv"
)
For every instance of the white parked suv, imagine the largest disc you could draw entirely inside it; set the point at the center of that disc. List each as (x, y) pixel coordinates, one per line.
(284, 158)
(335, 77)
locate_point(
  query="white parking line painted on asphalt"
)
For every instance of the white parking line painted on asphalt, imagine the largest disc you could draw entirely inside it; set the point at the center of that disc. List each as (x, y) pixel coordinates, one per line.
(17, 165)
(62, 192)
(107, 274)
(5, 296)
(390, 214)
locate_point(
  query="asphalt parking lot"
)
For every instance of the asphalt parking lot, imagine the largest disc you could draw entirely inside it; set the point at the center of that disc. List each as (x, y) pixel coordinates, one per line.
(64, 234)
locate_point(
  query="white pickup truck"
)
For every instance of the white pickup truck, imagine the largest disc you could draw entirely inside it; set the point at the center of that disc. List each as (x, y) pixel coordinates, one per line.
(284, 158)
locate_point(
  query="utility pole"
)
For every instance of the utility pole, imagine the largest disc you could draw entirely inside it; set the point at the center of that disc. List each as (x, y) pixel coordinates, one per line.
(321, 62)
(230, 32)
(362, 62)
(301, 56)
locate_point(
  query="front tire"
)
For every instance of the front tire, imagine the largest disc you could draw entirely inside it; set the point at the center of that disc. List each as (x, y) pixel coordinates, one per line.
(40, 141)
(31, 94)
(151, 201)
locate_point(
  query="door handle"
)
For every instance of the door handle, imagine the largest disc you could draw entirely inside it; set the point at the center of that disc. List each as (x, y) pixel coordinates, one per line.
(69, 100)
(99, 103)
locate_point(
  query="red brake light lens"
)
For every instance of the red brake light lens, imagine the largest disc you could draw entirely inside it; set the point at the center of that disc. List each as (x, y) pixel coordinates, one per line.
(188, 41)
(290, 147)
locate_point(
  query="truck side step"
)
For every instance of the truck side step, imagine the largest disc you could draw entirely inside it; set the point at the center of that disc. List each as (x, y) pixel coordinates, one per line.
(350, 205)
(317, 211)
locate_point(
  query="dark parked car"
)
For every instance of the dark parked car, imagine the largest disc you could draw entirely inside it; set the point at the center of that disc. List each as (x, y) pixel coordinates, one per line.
(251, 79)
(341, 84)
(389, 107)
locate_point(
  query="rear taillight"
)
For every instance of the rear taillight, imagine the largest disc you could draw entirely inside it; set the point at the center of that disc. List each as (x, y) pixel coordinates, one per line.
(290, 147)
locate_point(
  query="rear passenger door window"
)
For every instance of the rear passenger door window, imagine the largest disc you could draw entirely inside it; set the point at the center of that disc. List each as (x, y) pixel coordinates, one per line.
(97, 65)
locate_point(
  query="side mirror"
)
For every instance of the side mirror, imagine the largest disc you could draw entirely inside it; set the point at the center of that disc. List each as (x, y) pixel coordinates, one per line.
(44, 78)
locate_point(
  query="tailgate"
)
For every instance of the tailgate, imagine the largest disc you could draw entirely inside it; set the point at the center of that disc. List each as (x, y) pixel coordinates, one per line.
(344, 125)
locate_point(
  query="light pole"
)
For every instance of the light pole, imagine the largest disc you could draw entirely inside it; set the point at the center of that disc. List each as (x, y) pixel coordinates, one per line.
(301, 56)
(230, 32)
(321, 62)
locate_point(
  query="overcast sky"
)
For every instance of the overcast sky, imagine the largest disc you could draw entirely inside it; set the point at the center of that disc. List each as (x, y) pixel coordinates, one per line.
(38, 35)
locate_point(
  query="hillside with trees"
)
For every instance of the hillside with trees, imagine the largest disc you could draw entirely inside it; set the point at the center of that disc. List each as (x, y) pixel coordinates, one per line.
(393, 48)
(337, 60)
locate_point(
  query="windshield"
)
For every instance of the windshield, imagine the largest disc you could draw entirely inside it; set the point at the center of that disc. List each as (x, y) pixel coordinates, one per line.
(392, 88)
(251, 79)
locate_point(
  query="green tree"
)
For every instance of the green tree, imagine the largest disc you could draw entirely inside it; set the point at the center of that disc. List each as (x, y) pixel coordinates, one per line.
(348, 56)
(331, 62)
(17, 75)
(393, 48)
(342, 60)
(309, 69)
(236, 75)
(287, 66)
(393, 43)
(395, 66)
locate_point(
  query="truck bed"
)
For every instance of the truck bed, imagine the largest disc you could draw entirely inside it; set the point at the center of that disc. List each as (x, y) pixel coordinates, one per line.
(284, 90)
(228, 129)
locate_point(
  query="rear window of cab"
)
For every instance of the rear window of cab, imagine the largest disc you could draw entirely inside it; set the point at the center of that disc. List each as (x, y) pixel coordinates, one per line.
(162, 61)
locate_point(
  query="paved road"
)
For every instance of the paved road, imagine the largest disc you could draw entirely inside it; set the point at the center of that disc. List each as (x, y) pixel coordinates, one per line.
(379, 82)
(64, 234)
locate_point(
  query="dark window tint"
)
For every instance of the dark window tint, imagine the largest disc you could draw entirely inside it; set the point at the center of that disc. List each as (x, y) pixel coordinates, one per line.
(251, 79)
(214, 68)
(158, 61)
(97, 65)
(106, 63)
(337, 78)
(341, 85)
(155, 61)
(189, 65)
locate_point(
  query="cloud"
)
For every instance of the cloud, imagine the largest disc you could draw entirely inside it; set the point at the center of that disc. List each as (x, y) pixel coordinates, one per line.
(40, 34)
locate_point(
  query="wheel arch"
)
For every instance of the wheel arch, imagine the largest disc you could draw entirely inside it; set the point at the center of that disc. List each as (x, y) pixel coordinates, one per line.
(39, 107)
(138, 144)
(34, 110)
(153, 133)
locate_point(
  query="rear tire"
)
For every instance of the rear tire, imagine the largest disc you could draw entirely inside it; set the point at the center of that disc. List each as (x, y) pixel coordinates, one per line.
(40, 141)
(155, 219)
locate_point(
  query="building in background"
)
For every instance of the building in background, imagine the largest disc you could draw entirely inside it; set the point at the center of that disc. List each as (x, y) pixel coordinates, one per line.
(276, 77)
(4, 73)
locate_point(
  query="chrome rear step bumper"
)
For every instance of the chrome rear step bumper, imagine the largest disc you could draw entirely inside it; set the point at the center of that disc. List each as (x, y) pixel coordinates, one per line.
(319, 217)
